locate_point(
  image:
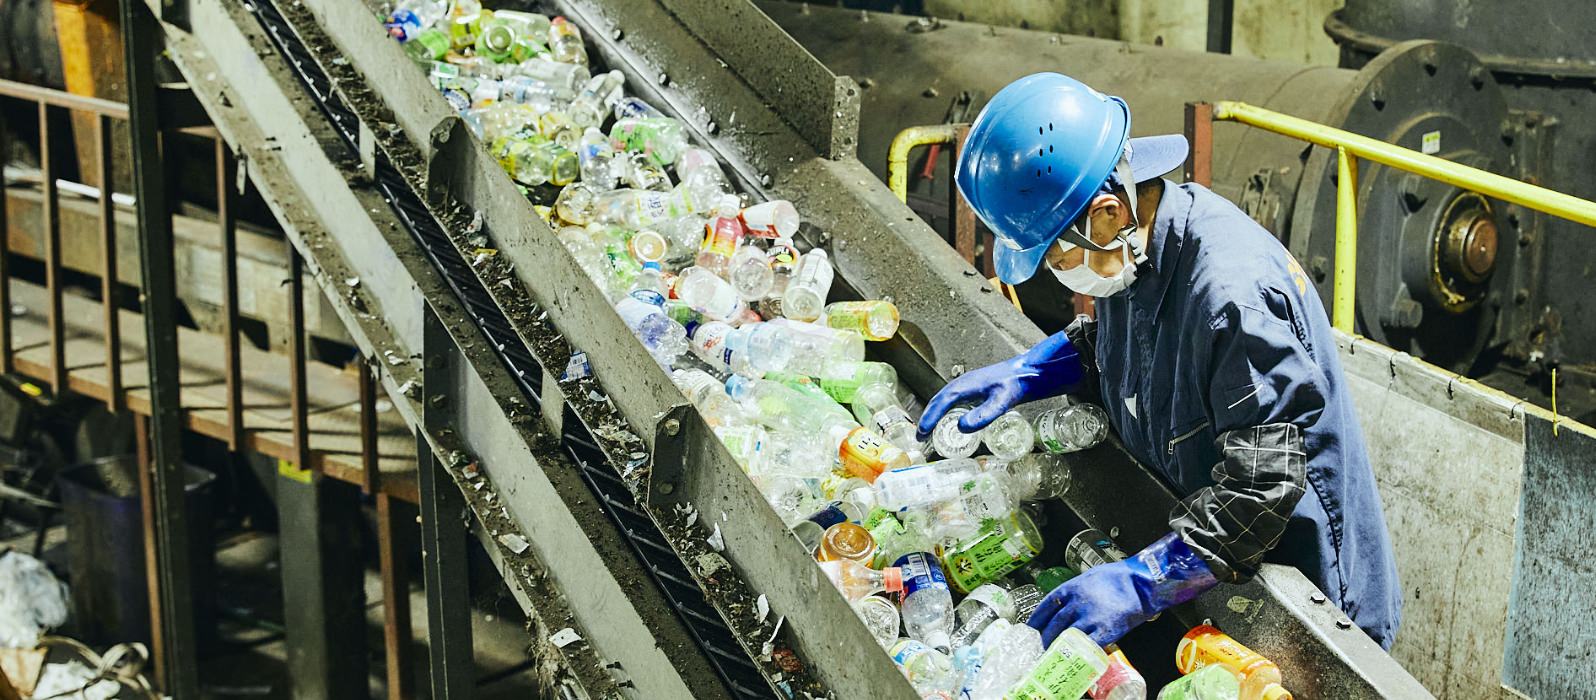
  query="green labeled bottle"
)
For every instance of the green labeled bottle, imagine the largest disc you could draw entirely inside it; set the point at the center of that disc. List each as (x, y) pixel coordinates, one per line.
(1066, 670)
(999, 547)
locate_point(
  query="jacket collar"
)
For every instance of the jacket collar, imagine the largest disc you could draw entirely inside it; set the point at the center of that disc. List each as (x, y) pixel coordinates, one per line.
(1165, 240)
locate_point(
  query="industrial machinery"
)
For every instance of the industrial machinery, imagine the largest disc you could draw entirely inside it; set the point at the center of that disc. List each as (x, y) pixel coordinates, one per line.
(1443, 274)
(596, 495)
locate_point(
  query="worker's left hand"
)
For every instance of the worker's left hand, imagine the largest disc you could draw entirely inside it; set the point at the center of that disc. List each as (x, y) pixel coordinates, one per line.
(1109, 600)
(1050, 368)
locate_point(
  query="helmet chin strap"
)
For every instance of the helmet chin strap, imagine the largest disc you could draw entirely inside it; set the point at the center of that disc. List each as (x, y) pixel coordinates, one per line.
(1127, 234)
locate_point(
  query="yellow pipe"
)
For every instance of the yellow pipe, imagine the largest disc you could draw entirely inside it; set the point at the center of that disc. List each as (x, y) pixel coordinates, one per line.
(1346, 271)
(1486, 183)
(905, 142)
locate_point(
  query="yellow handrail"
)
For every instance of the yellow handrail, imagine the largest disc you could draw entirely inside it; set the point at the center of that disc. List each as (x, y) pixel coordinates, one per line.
(906, 141)
(1350, 147)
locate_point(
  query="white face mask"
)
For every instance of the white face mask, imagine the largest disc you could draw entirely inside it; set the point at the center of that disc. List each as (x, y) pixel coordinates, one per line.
(1081, 279)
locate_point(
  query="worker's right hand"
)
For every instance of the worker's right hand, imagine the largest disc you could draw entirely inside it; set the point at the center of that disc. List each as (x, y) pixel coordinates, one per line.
(1050, 368)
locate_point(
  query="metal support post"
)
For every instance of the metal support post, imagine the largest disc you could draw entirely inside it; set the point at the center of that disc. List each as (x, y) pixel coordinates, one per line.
(298, 397)
(5, 268)
(1200, 134)
(109, 283)
(443, 534)
(141, 38)
(395, 598)
(323, 584)
(960, 215)
(50, 220)
(225, 193)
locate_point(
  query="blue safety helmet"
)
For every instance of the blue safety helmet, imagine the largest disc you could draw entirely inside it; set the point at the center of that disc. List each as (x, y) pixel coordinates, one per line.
(1038, 153)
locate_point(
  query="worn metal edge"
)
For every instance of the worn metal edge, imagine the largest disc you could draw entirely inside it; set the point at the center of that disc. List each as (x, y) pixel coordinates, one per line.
(331, 269)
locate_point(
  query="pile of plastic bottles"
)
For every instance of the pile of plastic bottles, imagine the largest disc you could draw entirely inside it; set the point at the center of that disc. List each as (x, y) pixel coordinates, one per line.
(715, 288)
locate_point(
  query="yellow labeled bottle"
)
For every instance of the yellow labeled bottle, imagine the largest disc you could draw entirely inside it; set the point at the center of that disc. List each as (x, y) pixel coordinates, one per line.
(1206, 646)
(876, 319)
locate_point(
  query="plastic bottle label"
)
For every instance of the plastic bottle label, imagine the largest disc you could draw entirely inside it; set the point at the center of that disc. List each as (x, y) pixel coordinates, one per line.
(709, 342)
(721, 237)
(1061, 674)
(921, 572)
(905, 650)
(864, 454)
(1198, 650)
(890, 416)
(998, 549)
(828, 516)
(1119, 672)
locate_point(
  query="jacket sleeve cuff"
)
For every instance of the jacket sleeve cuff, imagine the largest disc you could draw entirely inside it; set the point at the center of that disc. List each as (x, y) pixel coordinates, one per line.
(1170, 573)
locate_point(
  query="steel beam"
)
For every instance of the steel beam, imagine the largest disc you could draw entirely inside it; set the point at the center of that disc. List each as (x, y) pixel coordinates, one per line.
(443, 538)
(323, 584)
(141, 36)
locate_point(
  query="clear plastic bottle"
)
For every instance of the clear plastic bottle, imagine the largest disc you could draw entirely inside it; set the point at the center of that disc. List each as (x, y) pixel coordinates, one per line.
(813, 527)
(648, 246)
(981, 498)
(783, 408)
(877, 405)
(846, 541)
(635, 108)
(702, 177)
(1206, 683)
(949, 441)
(537, 95)
(1009, 437)
(597, 161)
(1009, 651)
(430, 44)
(783, 258)
(984, 605)
(1089, 548)
(750, 272)
(642, 312)
(1071, 428)
(1071, 664)
(641, 173)
(805, 296)
(750, 350)
(924, 484)
(592, 103)
(927, 603)
(1026, 598)
(709, 395)
(856, 580)
(1038, 476)
(875, 319)
(565, 78)
(565, 42)
(815, 347)
(842, 380)
(534, 162)
(662, 139)
(722, 236)
(1205, 645)
(511, 37)
(777, 218)
(929, 670)
(880, 616)
(640, 209)
(1120, 682)
(651, 279)
(1000, 546)
(707, 292)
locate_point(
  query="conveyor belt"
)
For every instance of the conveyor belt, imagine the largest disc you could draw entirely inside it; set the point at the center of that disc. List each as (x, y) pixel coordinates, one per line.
(709, 631)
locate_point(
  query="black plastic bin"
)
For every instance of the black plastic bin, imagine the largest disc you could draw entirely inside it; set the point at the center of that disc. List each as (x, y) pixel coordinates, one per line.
(105, 549)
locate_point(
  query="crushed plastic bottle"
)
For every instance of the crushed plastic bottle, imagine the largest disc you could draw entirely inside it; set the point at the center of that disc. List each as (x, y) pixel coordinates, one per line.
(643, 312)
(709, 395)
(1009, 651)
(1120, 682)
(921, 485)
(774, 219)
(880, 616)
(660, 139)
(705, 291)
(1038, 476)
(565, 42)
(984, 605)
(816, 347)
(928, 669)
(510, 36)
(750, 272)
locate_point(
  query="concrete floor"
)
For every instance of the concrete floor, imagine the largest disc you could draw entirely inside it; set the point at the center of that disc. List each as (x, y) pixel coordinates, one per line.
(249, 660)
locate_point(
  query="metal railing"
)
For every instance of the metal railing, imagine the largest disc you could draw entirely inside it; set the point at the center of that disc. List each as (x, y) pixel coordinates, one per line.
(60, 376)
(1349, 148)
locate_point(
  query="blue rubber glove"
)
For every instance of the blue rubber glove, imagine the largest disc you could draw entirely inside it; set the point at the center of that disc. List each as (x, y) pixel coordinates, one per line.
(1050, 368)
(1107, 601)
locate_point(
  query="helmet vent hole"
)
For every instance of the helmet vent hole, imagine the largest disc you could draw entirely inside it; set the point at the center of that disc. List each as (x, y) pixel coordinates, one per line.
(1050, 169)
(1050, 126)
(1038, 172)
(1041, 153)
(1039, 131)
(1050, 148)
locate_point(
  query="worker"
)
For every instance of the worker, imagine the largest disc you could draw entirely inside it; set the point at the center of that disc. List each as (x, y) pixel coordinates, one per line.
(1210, 352)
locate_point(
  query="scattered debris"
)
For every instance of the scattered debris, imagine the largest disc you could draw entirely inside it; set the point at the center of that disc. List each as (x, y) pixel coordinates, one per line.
(763, 608)
(564, 637)
(516, 543)
(577, 367)
(718, 543)
(710, 564)
(475, 226)
(34, 600)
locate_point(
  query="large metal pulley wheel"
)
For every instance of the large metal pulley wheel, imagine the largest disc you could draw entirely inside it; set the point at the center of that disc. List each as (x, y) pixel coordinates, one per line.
(1431, 256)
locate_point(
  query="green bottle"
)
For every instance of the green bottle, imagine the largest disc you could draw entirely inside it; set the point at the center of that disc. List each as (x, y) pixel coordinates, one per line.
(1208, 683)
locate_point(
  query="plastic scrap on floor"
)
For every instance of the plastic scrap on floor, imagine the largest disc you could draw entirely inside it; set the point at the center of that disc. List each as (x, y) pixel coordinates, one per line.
(34, 600)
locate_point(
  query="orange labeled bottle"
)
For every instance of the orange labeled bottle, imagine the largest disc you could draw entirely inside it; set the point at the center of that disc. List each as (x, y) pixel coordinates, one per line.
(847, 541)
(865, 454)
(1205, 646)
